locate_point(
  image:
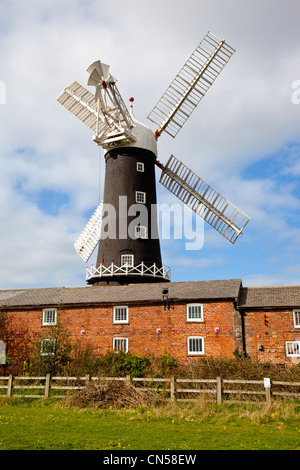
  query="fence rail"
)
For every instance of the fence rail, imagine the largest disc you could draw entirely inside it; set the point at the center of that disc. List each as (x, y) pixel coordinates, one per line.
(175, 389)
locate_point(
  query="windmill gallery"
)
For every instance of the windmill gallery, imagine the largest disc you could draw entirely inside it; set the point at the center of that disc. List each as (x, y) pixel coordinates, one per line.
(132, 305)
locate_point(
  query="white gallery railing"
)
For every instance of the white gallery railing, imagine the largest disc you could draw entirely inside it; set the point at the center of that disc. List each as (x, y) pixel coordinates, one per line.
(140, 269)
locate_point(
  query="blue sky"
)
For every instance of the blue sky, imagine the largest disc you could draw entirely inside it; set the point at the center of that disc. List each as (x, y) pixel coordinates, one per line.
(243, 139)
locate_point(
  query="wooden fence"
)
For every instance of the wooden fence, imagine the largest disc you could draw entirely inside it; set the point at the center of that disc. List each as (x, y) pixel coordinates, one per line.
(174, 389)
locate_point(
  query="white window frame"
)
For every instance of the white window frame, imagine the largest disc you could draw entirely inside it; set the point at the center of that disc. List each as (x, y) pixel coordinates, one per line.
(120, 311)
(140, 166)
(127, 260)
(292, 348)
(50, 349)
(189, 312)
(296, 318)
(140, 231)
(140, 197)
(123, 343)
(46, 312)
(193, 351)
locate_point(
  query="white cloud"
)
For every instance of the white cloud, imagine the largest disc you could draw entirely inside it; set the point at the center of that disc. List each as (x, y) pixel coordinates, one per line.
(286, 277)
(248, 114)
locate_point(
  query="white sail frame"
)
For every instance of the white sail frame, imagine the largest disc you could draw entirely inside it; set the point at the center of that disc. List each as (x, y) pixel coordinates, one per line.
(220, 213)
(190, 85)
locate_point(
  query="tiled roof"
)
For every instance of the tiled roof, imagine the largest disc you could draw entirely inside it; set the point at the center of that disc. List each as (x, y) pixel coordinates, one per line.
(192, 290)
(259, 297)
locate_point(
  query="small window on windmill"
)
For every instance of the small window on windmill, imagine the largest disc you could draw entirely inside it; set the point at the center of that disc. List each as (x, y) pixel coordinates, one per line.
(140, 231)
(140, 166)
(140, 197)
(127, 260)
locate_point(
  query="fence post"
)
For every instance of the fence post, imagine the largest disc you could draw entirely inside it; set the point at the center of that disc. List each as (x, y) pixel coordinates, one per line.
(10, 385)
(47, 386)
(219, 391)
(128, 379)
(268, 394)
(87, 379)
(172, 388)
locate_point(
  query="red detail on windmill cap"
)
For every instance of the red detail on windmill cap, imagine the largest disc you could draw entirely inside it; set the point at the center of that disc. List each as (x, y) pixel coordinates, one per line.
(104, 84)
(131, 100)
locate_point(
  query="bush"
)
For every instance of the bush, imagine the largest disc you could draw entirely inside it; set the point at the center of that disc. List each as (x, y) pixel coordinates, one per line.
(84, 360)
(58, 356)
(242, 368)
(122, 364)
(163, 365)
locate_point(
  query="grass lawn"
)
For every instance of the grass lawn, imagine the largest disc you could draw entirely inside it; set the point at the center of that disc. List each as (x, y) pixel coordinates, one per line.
(48, 425)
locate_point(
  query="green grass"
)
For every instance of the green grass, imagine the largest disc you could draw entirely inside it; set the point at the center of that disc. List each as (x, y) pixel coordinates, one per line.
(48, 425)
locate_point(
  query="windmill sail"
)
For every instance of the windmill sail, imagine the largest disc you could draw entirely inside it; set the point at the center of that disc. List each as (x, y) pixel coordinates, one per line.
(90, 236)
(80, 102)
(105, 113)
(191, 84)
(202, 199)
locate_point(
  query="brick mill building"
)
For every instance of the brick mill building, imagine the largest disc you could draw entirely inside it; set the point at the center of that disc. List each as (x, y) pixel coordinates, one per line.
(187, 319)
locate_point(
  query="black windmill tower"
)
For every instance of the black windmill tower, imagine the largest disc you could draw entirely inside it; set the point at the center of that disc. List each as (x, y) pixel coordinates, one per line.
(125, 222)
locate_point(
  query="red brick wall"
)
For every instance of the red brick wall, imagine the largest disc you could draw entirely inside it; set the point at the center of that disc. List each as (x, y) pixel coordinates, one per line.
(271, 329)
(97, 322)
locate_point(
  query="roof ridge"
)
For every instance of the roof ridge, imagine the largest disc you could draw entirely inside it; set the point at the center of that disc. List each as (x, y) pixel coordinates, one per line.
(270, 287)
(126, 285)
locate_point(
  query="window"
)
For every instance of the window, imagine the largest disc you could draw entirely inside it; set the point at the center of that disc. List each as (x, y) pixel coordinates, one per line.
(195, 345)
(127, 260)
(49, 316)
(140, 231)
(296, 317)
(120, 314)
(194, 312)
(120, 344)
(140, 166)
(47, 347)
(292, 348)
(140, 197)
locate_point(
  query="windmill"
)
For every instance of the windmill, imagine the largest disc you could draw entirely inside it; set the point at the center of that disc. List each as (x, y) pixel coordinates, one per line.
(129, 248)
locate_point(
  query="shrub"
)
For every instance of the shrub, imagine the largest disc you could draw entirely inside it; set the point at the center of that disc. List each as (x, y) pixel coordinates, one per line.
(163, 365)
(58, 356)
(242, 368)
(122, 364)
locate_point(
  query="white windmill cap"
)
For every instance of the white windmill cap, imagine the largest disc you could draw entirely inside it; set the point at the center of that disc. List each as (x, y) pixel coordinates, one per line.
(144, 136)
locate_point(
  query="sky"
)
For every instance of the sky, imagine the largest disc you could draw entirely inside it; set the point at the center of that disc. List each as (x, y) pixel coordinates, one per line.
(243, 139)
